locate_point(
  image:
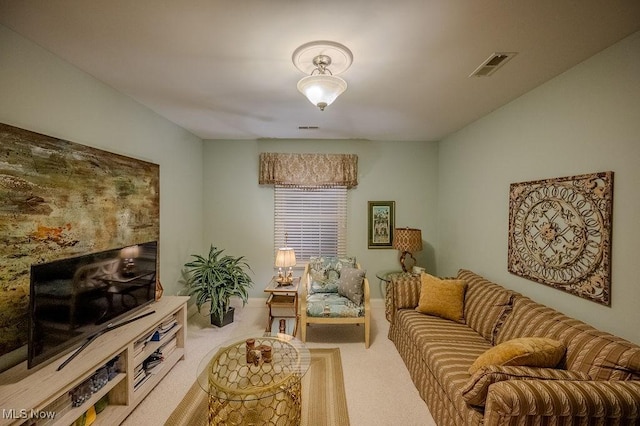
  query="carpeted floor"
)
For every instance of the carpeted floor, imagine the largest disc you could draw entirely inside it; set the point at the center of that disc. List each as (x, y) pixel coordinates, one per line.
(323, 397)
(378, 388)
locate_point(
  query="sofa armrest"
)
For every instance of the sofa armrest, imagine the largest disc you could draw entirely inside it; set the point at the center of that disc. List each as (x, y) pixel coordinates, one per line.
(403, 292)
(580, 402)
(476, 390)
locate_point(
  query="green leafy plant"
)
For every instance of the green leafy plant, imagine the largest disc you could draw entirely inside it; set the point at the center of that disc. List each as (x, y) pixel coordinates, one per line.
(216, 279)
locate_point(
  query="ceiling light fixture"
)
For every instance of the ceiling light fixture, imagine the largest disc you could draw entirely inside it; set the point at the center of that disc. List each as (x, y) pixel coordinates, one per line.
(322, 86)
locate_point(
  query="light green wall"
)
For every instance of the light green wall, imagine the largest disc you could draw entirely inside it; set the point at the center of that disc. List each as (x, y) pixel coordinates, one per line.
(583, 121)
(239, 212)
(586, 120)
(42, 93)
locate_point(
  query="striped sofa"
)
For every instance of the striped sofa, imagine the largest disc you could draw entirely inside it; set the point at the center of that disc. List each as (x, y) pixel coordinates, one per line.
(596, 383)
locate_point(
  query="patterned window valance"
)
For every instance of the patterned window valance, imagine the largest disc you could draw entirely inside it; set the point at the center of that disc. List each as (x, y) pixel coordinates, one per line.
(308, 170)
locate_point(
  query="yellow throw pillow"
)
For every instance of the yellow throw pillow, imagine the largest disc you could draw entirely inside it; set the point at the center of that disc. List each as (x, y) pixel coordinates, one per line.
(442, 298)
(524, 351)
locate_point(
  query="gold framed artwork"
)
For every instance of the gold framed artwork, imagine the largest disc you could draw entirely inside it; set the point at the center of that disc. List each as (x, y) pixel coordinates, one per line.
(61, 199)
(560, 233)
(381, 222)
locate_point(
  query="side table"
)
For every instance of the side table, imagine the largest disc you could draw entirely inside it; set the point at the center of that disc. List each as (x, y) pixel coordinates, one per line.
(283, 304)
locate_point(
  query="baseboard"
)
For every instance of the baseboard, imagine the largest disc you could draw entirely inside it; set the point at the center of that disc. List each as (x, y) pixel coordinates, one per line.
(259, 302)
(192, 309)
(377, 303)
(252, 302)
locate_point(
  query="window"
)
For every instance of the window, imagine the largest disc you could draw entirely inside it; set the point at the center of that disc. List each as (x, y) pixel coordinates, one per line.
(313, 220)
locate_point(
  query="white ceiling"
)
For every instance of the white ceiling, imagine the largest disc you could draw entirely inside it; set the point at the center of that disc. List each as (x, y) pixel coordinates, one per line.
(223, 69)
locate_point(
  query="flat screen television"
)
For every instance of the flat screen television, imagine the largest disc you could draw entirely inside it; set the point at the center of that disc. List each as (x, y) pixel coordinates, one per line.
(76, 298)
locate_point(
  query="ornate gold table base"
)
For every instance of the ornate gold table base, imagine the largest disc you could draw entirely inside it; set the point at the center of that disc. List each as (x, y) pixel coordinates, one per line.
(268, 392)
(281, 409)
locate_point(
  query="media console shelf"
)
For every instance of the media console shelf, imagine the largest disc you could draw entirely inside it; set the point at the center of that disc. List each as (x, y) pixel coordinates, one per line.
(31, 397)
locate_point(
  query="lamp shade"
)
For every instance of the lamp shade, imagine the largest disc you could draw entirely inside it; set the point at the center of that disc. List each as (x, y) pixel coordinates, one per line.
(322, 89)
(130, 252)
(285, 257)
(407, 239)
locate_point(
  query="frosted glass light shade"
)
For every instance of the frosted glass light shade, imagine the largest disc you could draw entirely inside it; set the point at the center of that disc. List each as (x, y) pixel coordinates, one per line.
(322, 89)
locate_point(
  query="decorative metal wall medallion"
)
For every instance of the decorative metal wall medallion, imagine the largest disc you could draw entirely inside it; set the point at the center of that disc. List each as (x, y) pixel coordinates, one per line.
(560, 233)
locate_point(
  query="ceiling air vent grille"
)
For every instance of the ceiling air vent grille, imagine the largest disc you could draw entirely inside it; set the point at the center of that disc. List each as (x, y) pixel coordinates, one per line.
(492, 64)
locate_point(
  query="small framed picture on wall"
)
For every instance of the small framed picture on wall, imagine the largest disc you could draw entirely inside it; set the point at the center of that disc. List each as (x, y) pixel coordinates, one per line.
(382, 220)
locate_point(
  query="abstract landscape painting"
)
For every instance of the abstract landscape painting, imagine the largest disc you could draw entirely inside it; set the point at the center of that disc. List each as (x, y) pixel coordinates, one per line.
(61, 199)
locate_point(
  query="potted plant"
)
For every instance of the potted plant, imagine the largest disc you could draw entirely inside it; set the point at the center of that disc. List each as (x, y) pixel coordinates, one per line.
(216, 279)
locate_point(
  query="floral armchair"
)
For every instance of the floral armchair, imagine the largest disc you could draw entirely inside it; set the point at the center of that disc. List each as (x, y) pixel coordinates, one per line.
(335, 291)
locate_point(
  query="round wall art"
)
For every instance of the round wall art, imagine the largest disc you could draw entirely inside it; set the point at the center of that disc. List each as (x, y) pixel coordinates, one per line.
(560, 233)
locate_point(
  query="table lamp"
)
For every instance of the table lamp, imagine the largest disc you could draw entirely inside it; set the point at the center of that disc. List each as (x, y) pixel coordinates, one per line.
(408, 241)
(285, 257)
(128, 255)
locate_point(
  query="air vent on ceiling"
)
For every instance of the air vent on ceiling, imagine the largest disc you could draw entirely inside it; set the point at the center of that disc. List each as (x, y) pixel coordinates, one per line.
(308, 127)
(492, 63)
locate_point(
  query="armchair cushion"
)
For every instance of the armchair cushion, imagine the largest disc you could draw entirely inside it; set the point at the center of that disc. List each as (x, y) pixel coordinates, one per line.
(325, 272)
(350, 284)
(332, 305)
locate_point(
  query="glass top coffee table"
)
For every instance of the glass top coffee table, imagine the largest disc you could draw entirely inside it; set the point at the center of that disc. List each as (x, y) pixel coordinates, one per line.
(255, 381)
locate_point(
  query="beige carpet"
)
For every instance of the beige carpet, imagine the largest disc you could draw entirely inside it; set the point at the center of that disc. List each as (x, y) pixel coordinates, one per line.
(323, 395)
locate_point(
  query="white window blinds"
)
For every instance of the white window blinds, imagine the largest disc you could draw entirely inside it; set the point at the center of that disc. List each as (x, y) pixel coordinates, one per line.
(314, 221)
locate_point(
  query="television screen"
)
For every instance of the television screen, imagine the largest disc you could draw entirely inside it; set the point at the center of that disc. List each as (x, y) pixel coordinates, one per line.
(73, 299)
